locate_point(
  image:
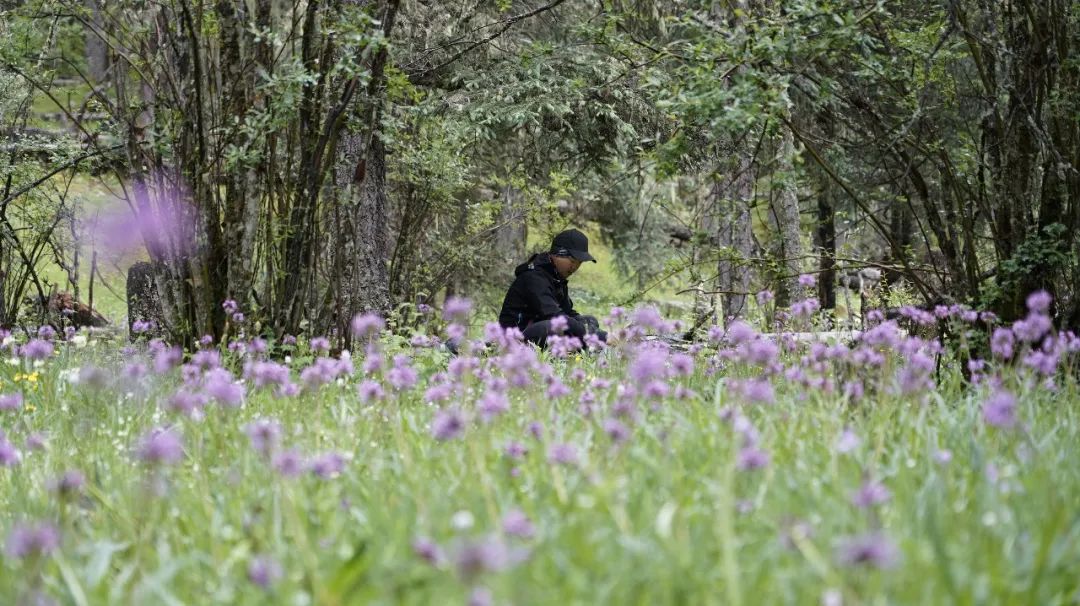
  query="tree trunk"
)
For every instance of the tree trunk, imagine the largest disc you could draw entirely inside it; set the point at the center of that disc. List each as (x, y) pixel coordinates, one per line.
(735, 237)
(825, 242)
(785, 211)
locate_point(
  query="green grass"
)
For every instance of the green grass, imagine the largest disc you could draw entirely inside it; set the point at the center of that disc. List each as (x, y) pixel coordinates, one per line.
(664, 518)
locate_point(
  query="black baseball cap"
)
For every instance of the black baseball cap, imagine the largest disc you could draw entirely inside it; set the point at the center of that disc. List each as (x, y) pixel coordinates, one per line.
(572, 243)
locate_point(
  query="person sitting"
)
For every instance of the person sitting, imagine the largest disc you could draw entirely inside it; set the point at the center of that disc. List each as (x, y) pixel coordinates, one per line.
(539, 292)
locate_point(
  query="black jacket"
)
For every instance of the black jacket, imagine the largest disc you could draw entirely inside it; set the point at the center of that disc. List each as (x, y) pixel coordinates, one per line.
(538, 293)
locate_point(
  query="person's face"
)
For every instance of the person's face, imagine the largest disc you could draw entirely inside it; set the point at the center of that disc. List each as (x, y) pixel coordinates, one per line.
(566, 266)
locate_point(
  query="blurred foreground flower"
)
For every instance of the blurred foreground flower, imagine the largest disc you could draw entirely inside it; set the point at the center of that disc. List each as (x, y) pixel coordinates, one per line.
(28, 540)
(872, 549)
(162, 446)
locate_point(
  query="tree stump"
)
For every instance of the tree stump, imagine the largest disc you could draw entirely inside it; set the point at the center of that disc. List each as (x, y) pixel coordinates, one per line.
(143, 301)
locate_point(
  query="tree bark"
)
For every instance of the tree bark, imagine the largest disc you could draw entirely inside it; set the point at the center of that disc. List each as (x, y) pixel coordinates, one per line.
(787, 218)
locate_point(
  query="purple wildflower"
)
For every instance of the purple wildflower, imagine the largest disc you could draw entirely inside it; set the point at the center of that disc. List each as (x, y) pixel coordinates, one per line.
(1000, 410)
(456, 309)
(428, 551)
(289, 463)
(515, 450)
(9, 455)
(648, 317)
(847, 441)
(207, 359)
(873, 549)
(740, 332)
(31, 540)
(161, 446)
(402, 376)
(367, 326)
(764, 297)
(807, 280)
(36, 441)
(649, 364)
(187, 403)
(1032, 328)
(516, 523)
(871, 493)
(266, 373)
(1001, 343)
(448, 424)
(167, 358)
(758, 391)
(805, 308)
(752, 458)
(563, 454)
(328, 465)
(36, 349)
(68, 484)
(319, 344)
(11, 401)
(492, 404)
(264, 571)
(489, 554)
(264, 435)
(219, 385)
(230, 306)
(370, 391)
(1039, 302)
(616, 430)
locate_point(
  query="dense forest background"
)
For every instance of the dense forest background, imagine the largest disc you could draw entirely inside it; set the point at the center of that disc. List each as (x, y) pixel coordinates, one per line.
(312, 160)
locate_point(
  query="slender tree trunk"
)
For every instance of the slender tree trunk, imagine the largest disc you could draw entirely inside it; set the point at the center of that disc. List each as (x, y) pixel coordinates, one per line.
(733, 272)
(825, 241)
(787, 218)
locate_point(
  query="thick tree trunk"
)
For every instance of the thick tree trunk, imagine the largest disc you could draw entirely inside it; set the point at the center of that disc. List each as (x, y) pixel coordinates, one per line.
(363, 242)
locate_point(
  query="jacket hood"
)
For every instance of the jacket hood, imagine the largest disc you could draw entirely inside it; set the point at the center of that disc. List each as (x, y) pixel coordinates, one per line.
(537, 261)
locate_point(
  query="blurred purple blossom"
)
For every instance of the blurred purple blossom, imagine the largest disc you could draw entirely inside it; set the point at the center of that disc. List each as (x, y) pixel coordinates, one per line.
(161, 446)
(999, 410)
(848, 441)
(9, 455)
(36, 349)
(428, 551)
(516, 523)
(370, 391)
(367, 326)
(11, 401)
(264, 435)
(402, 376)
(264, 571)
(288, 463)
(1039, 302)
(448, 424)
(327, 465)
(69, 483)
(456, 309)
(32, 540)
(489, 554)
(872, 549)
(563, 454)
(751, 458)
(871, 493)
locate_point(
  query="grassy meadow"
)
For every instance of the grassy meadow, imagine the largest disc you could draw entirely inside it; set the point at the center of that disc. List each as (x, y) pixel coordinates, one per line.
(748, 469)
